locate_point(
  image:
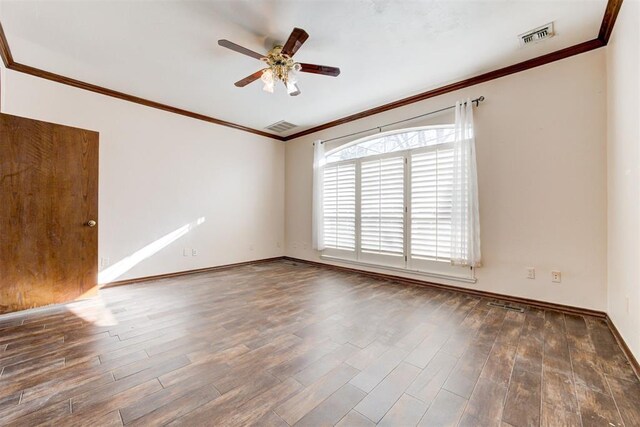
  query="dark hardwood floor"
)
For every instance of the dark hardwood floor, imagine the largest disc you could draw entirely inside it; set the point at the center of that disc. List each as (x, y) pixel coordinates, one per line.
(283, 344)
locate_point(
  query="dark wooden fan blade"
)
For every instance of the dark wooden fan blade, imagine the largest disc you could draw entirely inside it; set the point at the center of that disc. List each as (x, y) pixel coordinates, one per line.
(296, 39)
(240, 49)
(325, 70)
(249, 79)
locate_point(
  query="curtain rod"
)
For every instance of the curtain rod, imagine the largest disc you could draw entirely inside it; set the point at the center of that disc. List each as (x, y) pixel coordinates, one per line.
(379, 128)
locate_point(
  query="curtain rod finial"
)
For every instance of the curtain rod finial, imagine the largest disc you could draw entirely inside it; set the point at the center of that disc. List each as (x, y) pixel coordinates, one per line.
(478, 100)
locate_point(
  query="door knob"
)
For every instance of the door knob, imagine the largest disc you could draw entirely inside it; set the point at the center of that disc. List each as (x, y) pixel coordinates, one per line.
(91, 223)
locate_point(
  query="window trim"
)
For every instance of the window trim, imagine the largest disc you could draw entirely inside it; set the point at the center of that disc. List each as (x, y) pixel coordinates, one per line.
(471, 278)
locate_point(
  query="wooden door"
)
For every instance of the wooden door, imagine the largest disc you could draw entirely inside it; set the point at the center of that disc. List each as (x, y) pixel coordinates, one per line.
(48, 196)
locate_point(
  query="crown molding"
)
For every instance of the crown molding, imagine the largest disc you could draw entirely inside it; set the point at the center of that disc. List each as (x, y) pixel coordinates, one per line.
(606, 28)
(11, 64)
(609, 20)
(5, 51)
(482, 78)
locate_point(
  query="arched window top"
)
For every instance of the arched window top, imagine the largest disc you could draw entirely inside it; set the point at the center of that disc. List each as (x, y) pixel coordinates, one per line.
(388, 142)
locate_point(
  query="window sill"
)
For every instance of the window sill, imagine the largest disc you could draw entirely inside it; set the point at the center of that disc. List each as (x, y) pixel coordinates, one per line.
(401, 270)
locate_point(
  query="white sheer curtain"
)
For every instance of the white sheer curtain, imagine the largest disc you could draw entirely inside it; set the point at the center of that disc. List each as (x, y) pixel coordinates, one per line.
(465, 219)
(317, 216)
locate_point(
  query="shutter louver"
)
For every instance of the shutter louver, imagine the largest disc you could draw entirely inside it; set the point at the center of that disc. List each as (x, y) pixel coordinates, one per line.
(431, 192)
(382, 206)
(340, 206)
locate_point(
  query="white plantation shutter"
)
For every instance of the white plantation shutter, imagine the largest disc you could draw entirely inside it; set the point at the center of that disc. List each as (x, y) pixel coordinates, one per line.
(431, 192)
(382, 208)
(340, 206)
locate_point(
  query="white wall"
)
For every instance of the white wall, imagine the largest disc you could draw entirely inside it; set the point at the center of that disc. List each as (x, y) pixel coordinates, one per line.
(541, 143)
(623, 79)
(160, 172)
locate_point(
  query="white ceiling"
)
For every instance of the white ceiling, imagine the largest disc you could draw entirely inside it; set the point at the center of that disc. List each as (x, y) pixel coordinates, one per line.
(167, 51)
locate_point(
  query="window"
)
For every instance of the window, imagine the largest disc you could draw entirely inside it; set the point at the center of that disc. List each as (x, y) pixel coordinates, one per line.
(394, 141)
(340, 206)
(382, 210)
(388, 200)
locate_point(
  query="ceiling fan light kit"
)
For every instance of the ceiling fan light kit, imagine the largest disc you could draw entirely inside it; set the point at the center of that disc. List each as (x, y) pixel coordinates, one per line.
(280, 64)
(282, 67)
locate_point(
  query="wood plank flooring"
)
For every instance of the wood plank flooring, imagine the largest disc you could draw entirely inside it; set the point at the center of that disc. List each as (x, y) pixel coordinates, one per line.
(284, 343)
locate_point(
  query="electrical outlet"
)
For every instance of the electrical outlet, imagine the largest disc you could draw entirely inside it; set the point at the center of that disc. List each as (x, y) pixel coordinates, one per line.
(556, 276)
(104, 262)
(185, 252)
(531, 273)
(194, 252)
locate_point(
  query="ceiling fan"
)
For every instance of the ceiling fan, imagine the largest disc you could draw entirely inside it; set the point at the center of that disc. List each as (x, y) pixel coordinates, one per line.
(280, 64)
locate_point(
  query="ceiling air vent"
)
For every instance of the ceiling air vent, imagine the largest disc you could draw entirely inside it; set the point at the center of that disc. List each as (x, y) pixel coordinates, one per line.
(281, 126)
(537, 35)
